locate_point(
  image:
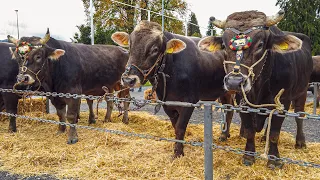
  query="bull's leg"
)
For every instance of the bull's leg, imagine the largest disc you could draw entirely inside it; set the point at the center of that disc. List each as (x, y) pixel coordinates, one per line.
(276, 124)
(125, 118)
(73, 110)
(226, 99)
(299, 106)
(249, 133)
(92, 118)
(108, 117)
(180, 129)
(61, 112)
(11, 105)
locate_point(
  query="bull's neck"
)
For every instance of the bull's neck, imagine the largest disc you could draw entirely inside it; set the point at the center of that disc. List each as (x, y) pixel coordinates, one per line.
(261, 91)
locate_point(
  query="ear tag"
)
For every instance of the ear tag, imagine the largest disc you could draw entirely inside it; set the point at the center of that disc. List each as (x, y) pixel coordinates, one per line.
(169, 51)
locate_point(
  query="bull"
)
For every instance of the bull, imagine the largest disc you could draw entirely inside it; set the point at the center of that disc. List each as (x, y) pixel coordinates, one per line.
(261, 60)
(177, 70)
(315, 75)
(59, 66)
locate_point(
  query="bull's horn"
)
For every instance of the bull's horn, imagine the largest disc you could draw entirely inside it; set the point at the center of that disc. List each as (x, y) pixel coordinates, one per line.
(46, 38)
(272, 20)
(217, 23)
(13, 40)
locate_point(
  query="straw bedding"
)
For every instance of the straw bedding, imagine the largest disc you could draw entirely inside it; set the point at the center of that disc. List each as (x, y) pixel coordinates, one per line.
(36, 149)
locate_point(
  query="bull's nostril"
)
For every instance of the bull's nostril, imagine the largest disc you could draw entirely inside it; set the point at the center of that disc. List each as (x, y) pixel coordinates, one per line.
(26, 78)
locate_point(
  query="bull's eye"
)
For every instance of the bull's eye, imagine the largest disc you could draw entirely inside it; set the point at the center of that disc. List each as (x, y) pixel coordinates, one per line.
(154, 50)
(223, 46)
(260, 45)
(37, 58)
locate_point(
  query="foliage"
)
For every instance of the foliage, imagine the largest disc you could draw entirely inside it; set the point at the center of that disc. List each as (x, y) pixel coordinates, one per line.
(302, 16)
(101, 36)
(193, 29)
(211, 26)
(123, 18)
(84, 36)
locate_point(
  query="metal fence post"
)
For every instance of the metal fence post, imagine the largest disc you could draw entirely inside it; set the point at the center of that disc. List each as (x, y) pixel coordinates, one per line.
(47, 105)
(208, 139)
(149, 15)
(211, 32)
(186, 24)
(315, 97)
(162, 19)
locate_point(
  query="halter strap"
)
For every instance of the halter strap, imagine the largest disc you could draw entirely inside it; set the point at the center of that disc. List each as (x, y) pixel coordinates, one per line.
(145, 73)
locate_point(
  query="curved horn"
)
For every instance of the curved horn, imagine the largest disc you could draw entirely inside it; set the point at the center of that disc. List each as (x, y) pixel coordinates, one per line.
(46, 38)
(13, 40)
(272, 20)
(217, 23)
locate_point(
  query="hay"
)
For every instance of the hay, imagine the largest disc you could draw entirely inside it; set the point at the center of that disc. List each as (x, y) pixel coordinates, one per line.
(34, 104)
(35, 149)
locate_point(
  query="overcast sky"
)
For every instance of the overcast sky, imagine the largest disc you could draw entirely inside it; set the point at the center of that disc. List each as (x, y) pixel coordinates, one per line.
(62, 16)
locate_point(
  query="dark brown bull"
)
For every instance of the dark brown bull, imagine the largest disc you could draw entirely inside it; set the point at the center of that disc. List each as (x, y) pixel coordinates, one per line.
(173, 64)
(261, 60)
(59, 66)
(315, 75)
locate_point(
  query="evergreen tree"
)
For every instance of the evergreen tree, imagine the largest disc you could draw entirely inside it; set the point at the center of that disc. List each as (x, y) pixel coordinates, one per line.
(302, 16)
(211, 27)
(193, 28)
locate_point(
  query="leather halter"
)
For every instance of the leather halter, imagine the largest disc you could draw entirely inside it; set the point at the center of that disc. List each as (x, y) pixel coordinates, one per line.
(23, 49)
(145, 73)
(239, 43)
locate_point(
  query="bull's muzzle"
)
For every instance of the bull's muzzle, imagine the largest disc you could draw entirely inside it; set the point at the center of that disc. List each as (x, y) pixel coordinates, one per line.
(128, 81)
(233, 82)
(25, 79)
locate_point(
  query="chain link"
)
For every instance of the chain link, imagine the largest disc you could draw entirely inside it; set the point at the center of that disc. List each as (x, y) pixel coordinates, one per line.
(139, 103)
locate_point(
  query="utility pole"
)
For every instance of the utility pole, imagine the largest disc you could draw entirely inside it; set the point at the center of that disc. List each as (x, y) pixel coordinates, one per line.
(17, 22)
(91, 20)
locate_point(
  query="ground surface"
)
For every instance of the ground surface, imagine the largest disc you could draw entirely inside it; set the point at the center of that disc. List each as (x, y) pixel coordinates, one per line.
(311, 128)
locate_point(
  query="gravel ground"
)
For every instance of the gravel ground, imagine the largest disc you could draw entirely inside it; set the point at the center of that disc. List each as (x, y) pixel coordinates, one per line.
(311, 128)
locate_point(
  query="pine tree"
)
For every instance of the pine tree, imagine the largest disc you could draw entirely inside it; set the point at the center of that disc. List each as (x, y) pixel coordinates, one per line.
(193, 27)
(210, 28)
(302, 16)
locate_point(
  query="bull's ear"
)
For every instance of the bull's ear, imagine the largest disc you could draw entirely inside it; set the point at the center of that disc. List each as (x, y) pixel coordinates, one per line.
(287, 43)
(56, 54)
(210, 43)
(121, 38)
(175, 46)
(12, 49)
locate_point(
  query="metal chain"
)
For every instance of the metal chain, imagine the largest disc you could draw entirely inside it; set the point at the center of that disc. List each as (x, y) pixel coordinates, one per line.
(139, 103)
(192, 143)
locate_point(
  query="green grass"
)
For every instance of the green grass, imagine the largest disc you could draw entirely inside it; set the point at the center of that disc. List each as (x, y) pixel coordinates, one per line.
(147, 84)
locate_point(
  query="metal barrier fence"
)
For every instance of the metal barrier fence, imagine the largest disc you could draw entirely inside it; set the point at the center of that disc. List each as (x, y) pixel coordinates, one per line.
(208, 144)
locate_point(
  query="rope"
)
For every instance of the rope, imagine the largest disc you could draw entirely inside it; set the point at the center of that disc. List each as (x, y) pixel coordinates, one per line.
(277, 106)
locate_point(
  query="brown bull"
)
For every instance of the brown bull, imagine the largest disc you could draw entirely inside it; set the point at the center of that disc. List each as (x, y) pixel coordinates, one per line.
(178, 69)
(260, 61)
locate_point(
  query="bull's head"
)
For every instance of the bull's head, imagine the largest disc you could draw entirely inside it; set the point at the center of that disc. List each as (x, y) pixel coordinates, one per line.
(32, 54)
(247, 40)
(148, 47)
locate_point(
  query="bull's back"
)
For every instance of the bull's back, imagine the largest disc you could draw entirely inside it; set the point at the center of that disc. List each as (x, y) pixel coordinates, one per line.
(92, 66)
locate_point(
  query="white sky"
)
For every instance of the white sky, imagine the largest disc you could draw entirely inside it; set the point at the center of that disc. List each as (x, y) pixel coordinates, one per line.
(62, 16)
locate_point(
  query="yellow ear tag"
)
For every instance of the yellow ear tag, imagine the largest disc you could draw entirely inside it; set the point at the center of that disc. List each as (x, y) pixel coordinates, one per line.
(169, 51)
(283, 46)
(212, 47)
(125, 42)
